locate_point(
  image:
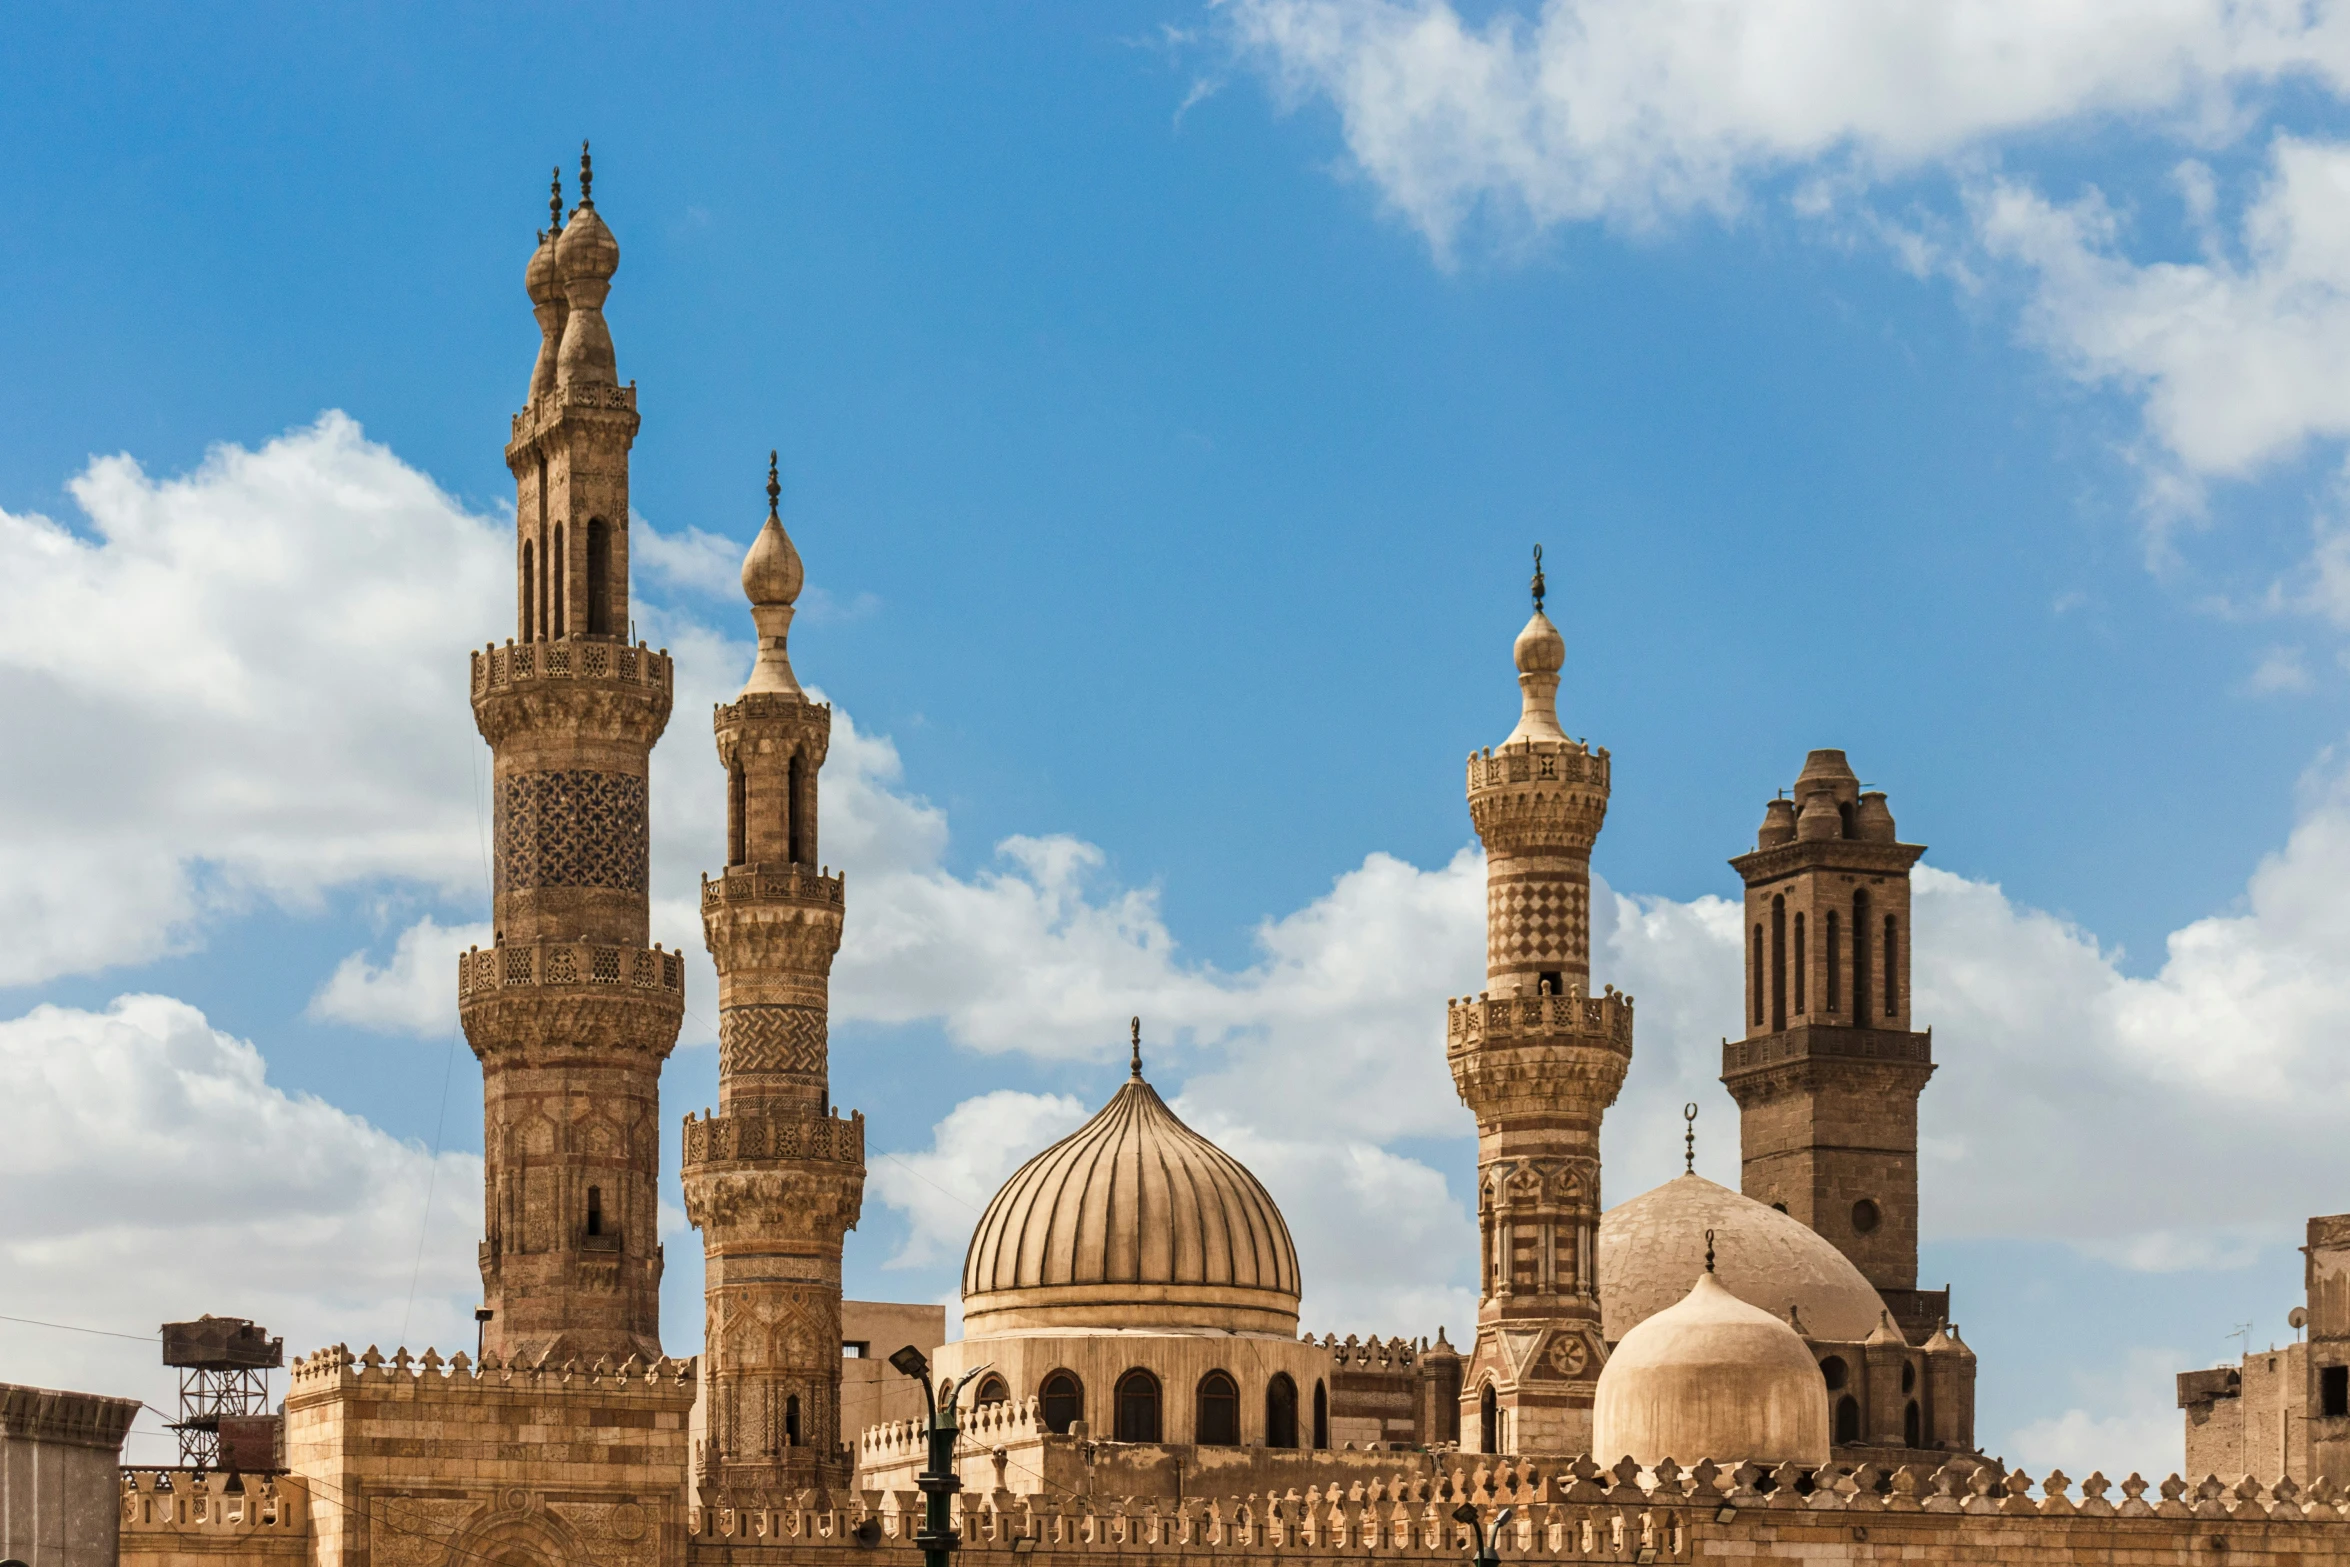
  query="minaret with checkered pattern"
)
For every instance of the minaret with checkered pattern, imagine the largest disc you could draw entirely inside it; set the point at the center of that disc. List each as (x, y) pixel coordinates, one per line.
(1539, 1059)
(774, 1179)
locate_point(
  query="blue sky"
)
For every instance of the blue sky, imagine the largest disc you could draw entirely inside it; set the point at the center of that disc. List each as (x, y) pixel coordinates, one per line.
(1167, 406)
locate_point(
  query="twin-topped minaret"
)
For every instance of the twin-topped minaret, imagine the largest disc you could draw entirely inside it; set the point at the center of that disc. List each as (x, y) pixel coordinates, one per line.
(569, 1011)
(1538, 1059)
(774, 1179)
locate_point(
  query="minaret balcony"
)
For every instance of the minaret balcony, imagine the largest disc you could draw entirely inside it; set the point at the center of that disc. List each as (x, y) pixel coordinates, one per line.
(801, 885)
(571, 994)
(544, 412)
(752, 1136)
(1485, 1019)
(580, 686)
(577, 659)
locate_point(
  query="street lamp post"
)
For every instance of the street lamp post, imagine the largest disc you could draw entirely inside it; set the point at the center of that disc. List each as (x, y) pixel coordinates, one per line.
(938, 1480)
(1487, 1549)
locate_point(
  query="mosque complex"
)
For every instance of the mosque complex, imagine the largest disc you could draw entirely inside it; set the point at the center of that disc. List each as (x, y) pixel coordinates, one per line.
(1694, 1373)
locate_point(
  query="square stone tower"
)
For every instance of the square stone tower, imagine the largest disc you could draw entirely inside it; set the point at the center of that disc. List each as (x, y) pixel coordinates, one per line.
(1828, 1074)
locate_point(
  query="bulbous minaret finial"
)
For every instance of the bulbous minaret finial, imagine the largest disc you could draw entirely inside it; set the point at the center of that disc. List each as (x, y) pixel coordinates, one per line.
(555, 202)
(545, 287)
(586, 256)
(587, 177)
(1135, 1065)
(1540, 653)
(772, 575)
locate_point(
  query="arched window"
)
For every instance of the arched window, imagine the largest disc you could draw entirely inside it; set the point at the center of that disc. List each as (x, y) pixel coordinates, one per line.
(1778, 962)
(1281, 1411)
(595, 1210)
(1321, 1417)
(1847, 1420)
(1833, 1371)
(1756, 969)
(1800, 964)
(599, 583)
(530, 587)
(1835, 963)
(737, 850)
(1912, 1427)
(794, 839)
(791, 1421)
(1892, 966)
(1137, 1398)
(1488, 1421)
(1860, 956)
(992, 1390)
(558, 568)
(1844, 818)
(1215, 1417)
(1063, 1398)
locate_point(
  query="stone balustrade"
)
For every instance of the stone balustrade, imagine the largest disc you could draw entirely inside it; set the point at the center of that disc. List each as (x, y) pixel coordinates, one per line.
(1538, 761)
(428, 1375)
(482, 971)
(724, 1138)
(1471, 1020)
(184, 1501)
(575, 659)
(774, 883)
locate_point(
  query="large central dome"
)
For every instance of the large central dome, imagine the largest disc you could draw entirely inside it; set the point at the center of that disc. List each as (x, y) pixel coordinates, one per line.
(1134, 1220)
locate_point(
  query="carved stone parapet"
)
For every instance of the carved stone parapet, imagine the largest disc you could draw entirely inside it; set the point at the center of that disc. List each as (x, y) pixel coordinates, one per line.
(1538, 794)
(784, 885)
(1539, 1055)
(567, 402)
(775, 1172)
(758, 1138)
(773, 920)
(579, 685)
(564, 995)
(760, 715)
(1473, 1020)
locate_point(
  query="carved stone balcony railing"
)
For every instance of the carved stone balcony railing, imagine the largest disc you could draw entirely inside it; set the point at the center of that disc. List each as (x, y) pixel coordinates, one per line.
(726, 1139)
(773, 883)
(1806, 1042)
(1483, 1019)
(572, 964)
(571, 658)
(1539, 761)
(543, 411)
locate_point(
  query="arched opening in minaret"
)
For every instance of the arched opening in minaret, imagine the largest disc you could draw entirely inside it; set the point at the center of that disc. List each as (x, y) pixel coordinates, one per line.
(1488, 1421)
(791, 1421)
(735, 851)
(1755, 968)
(1281, 1411)
(794, 811)
(530, 588)
(1844, 814)
(1835, 963)
(1860, 956)
(599, 587)
(1321, 1417)
(1801, 963)
(1778, 962)
(1912, 1427)
(1892, 966)
(1847, 1421)
(558, 568)
(595, 1214)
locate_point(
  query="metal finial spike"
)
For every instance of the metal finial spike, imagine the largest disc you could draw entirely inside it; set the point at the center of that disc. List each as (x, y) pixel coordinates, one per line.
(587, 176)
(1136, 1065)
(1538, 587)
(1689, 1139)
(555, 202)
(1709, 1251)
(774, 490)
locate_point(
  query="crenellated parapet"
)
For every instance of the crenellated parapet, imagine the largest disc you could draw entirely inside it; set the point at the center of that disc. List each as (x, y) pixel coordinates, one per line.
(569, 997)
(593, 689)
(658, 1382)
(586, 402)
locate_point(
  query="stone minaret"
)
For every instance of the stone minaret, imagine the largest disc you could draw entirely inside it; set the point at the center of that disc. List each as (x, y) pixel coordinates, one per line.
(774, 1180)
(570, 1012)
(1539, 1059)
(1828, 1076)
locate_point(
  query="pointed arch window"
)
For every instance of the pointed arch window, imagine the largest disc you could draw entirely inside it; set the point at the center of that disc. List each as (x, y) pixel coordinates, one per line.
(1755, 968)
(1281, 1411)
(1063, 1401)
(1892, 966)
(599, 577)
(1860, 956)
(558, 568)
(530, 588)
(1835, 962)
(1137, 1399)
(737, 851)
(1778, 963)
(1802, 962)
(1488, 1421)
(1216, 1415)
(794, 813)
(1321, 1416)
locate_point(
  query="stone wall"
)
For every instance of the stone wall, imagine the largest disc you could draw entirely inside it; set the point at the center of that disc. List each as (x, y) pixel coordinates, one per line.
(58, 1458)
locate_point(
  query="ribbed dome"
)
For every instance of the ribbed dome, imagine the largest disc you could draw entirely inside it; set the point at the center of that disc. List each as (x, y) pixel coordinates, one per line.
(1134, 1220)
(1651, 1246)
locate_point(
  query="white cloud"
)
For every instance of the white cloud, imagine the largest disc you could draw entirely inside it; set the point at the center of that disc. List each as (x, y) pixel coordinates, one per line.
(2281, 671)
(414, 993)
(1633, 110)
(154, 1173)
(702, 562)
(241, 682)
(973, 1150)
(2141, 1430)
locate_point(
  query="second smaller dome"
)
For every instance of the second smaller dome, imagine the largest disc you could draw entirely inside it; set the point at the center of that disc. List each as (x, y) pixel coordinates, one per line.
(1711, 1377)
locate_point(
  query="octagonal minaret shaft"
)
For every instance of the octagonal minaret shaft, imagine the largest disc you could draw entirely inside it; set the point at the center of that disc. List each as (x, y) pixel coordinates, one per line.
(1539, 1060)
(774, 1180)
(570, 1013)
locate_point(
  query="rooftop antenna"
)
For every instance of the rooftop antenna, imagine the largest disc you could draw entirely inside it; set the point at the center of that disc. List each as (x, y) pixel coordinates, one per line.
(1136, 1064)
(1689, 1139)
(1538, 588)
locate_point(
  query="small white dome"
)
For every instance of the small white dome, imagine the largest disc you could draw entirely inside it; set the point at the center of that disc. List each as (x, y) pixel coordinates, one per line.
(1711, 1377)
(1650, 1246)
